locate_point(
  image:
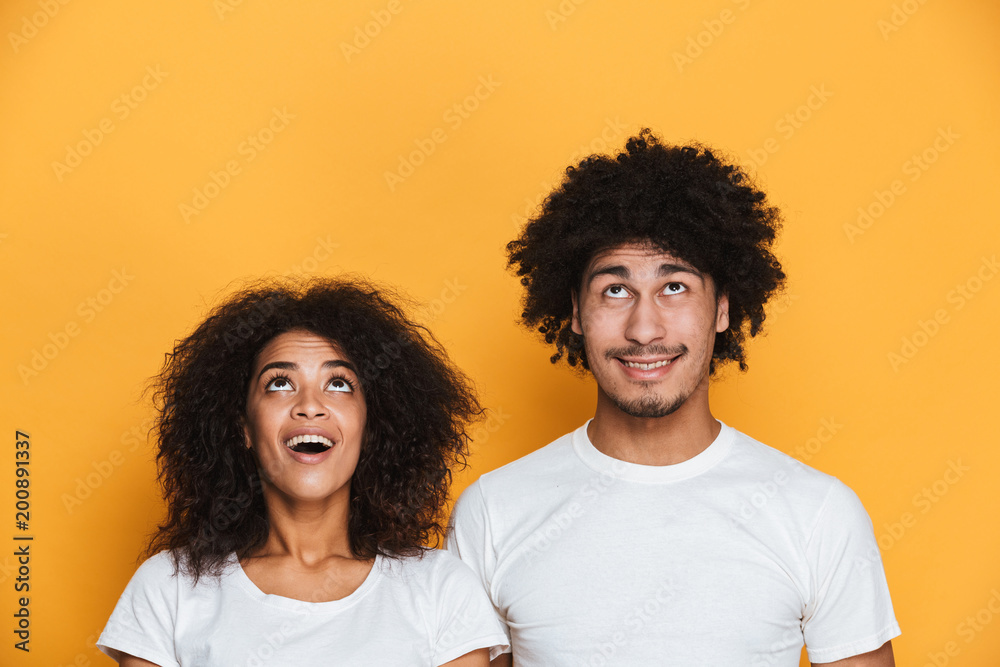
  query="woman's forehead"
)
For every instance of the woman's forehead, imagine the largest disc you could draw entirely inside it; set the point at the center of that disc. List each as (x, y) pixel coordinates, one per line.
(298, 344)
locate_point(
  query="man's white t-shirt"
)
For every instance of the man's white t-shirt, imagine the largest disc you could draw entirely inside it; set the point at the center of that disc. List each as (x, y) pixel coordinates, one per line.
(733, 557)
(409, 611)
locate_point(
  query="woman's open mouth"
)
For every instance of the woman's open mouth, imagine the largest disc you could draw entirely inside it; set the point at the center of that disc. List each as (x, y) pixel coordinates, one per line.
(309, 444)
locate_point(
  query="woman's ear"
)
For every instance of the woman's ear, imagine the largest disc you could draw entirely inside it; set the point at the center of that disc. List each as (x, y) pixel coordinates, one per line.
(247, 440)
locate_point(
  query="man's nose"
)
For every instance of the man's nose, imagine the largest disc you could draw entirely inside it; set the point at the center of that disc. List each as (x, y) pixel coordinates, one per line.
(646, 323)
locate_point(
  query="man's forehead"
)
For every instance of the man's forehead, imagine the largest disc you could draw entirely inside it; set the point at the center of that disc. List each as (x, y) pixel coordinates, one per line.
(643, 253)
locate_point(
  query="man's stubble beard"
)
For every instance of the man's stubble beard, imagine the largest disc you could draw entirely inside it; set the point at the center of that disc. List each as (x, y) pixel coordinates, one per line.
(648, 407)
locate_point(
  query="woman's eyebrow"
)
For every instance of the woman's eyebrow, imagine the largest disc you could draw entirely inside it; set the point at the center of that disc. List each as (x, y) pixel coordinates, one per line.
(292, 366)
(283, 365)
(340, 363)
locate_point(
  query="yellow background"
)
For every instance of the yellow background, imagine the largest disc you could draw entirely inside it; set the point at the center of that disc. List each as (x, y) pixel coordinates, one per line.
(562, 79)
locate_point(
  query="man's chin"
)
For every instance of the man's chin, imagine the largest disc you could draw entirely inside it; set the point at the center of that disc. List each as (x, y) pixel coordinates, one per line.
(648, 407)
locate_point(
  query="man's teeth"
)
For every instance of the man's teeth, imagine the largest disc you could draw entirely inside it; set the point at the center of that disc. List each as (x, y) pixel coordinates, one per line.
(292, 443)
(647, 367)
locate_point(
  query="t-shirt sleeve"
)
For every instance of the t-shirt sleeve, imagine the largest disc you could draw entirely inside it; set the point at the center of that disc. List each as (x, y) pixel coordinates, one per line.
(143, 621)
(849, 611)
(469, 538)
(466, 620)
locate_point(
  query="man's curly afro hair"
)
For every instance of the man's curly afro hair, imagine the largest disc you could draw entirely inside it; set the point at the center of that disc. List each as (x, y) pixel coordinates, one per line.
(680, 199)
(418, 407)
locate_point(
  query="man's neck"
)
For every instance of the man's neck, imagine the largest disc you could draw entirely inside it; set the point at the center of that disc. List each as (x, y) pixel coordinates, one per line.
(660, 441)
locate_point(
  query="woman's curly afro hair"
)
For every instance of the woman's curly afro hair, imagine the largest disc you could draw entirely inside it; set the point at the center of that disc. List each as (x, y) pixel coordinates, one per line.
(418, 407)
(682, 200)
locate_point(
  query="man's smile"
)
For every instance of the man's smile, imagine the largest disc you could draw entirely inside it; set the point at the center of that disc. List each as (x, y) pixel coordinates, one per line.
(640, 363)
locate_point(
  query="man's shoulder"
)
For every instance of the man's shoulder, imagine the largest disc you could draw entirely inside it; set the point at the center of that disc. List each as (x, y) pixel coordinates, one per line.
(754, 456)
(543, 462)
(523, 483)
(806, 489)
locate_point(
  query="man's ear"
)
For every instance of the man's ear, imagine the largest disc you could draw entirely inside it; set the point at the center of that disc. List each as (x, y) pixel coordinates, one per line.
(575, 322)
(722, 313)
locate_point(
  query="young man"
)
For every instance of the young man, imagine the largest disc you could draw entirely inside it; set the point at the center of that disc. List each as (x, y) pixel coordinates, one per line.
(654, 534)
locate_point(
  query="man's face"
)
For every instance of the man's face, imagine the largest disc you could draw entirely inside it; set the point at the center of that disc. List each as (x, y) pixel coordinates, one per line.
(648, 321)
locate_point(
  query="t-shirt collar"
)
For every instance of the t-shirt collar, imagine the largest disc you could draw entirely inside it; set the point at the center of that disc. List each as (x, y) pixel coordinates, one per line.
(634, 472)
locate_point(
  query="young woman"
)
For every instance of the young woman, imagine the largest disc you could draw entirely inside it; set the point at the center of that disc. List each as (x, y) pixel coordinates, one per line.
(306, 438)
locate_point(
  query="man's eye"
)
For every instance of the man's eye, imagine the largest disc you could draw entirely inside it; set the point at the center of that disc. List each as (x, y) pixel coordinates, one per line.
(616, 292)
(674, 288)
(279, 384)
(340, 384)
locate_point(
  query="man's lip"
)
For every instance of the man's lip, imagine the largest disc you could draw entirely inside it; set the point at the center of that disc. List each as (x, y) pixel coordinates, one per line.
(663, 360)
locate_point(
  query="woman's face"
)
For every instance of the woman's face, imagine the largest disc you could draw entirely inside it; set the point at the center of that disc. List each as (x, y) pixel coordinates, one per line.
(305, 419)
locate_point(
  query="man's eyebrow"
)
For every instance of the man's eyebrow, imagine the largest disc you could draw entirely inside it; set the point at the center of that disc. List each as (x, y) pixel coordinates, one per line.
(291, 366)
(667, 269)
(622, 272)
(614, 270)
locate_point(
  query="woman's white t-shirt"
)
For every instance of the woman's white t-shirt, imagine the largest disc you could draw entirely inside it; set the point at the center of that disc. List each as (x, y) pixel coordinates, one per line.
(409, 611)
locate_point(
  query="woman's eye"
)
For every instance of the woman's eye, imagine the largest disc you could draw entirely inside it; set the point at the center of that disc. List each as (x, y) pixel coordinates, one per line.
(339, 384)
(278, 384)
(616, 292)
(674, 288)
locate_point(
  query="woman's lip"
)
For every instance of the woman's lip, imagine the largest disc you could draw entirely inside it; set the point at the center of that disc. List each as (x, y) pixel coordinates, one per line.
(307, 430)
(309, 459)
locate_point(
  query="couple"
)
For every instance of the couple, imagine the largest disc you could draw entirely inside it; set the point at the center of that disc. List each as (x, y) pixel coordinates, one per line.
(306, 438)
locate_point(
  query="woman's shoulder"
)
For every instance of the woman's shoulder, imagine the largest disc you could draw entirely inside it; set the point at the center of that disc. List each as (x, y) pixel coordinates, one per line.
(427, 560)
(154, 584)
(160, 566)
(170, 568)
(440, 587)
(430, 568)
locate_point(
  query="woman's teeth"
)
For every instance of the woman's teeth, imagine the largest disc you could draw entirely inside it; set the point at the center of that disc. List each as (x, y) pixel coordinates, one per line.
(309, 444)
